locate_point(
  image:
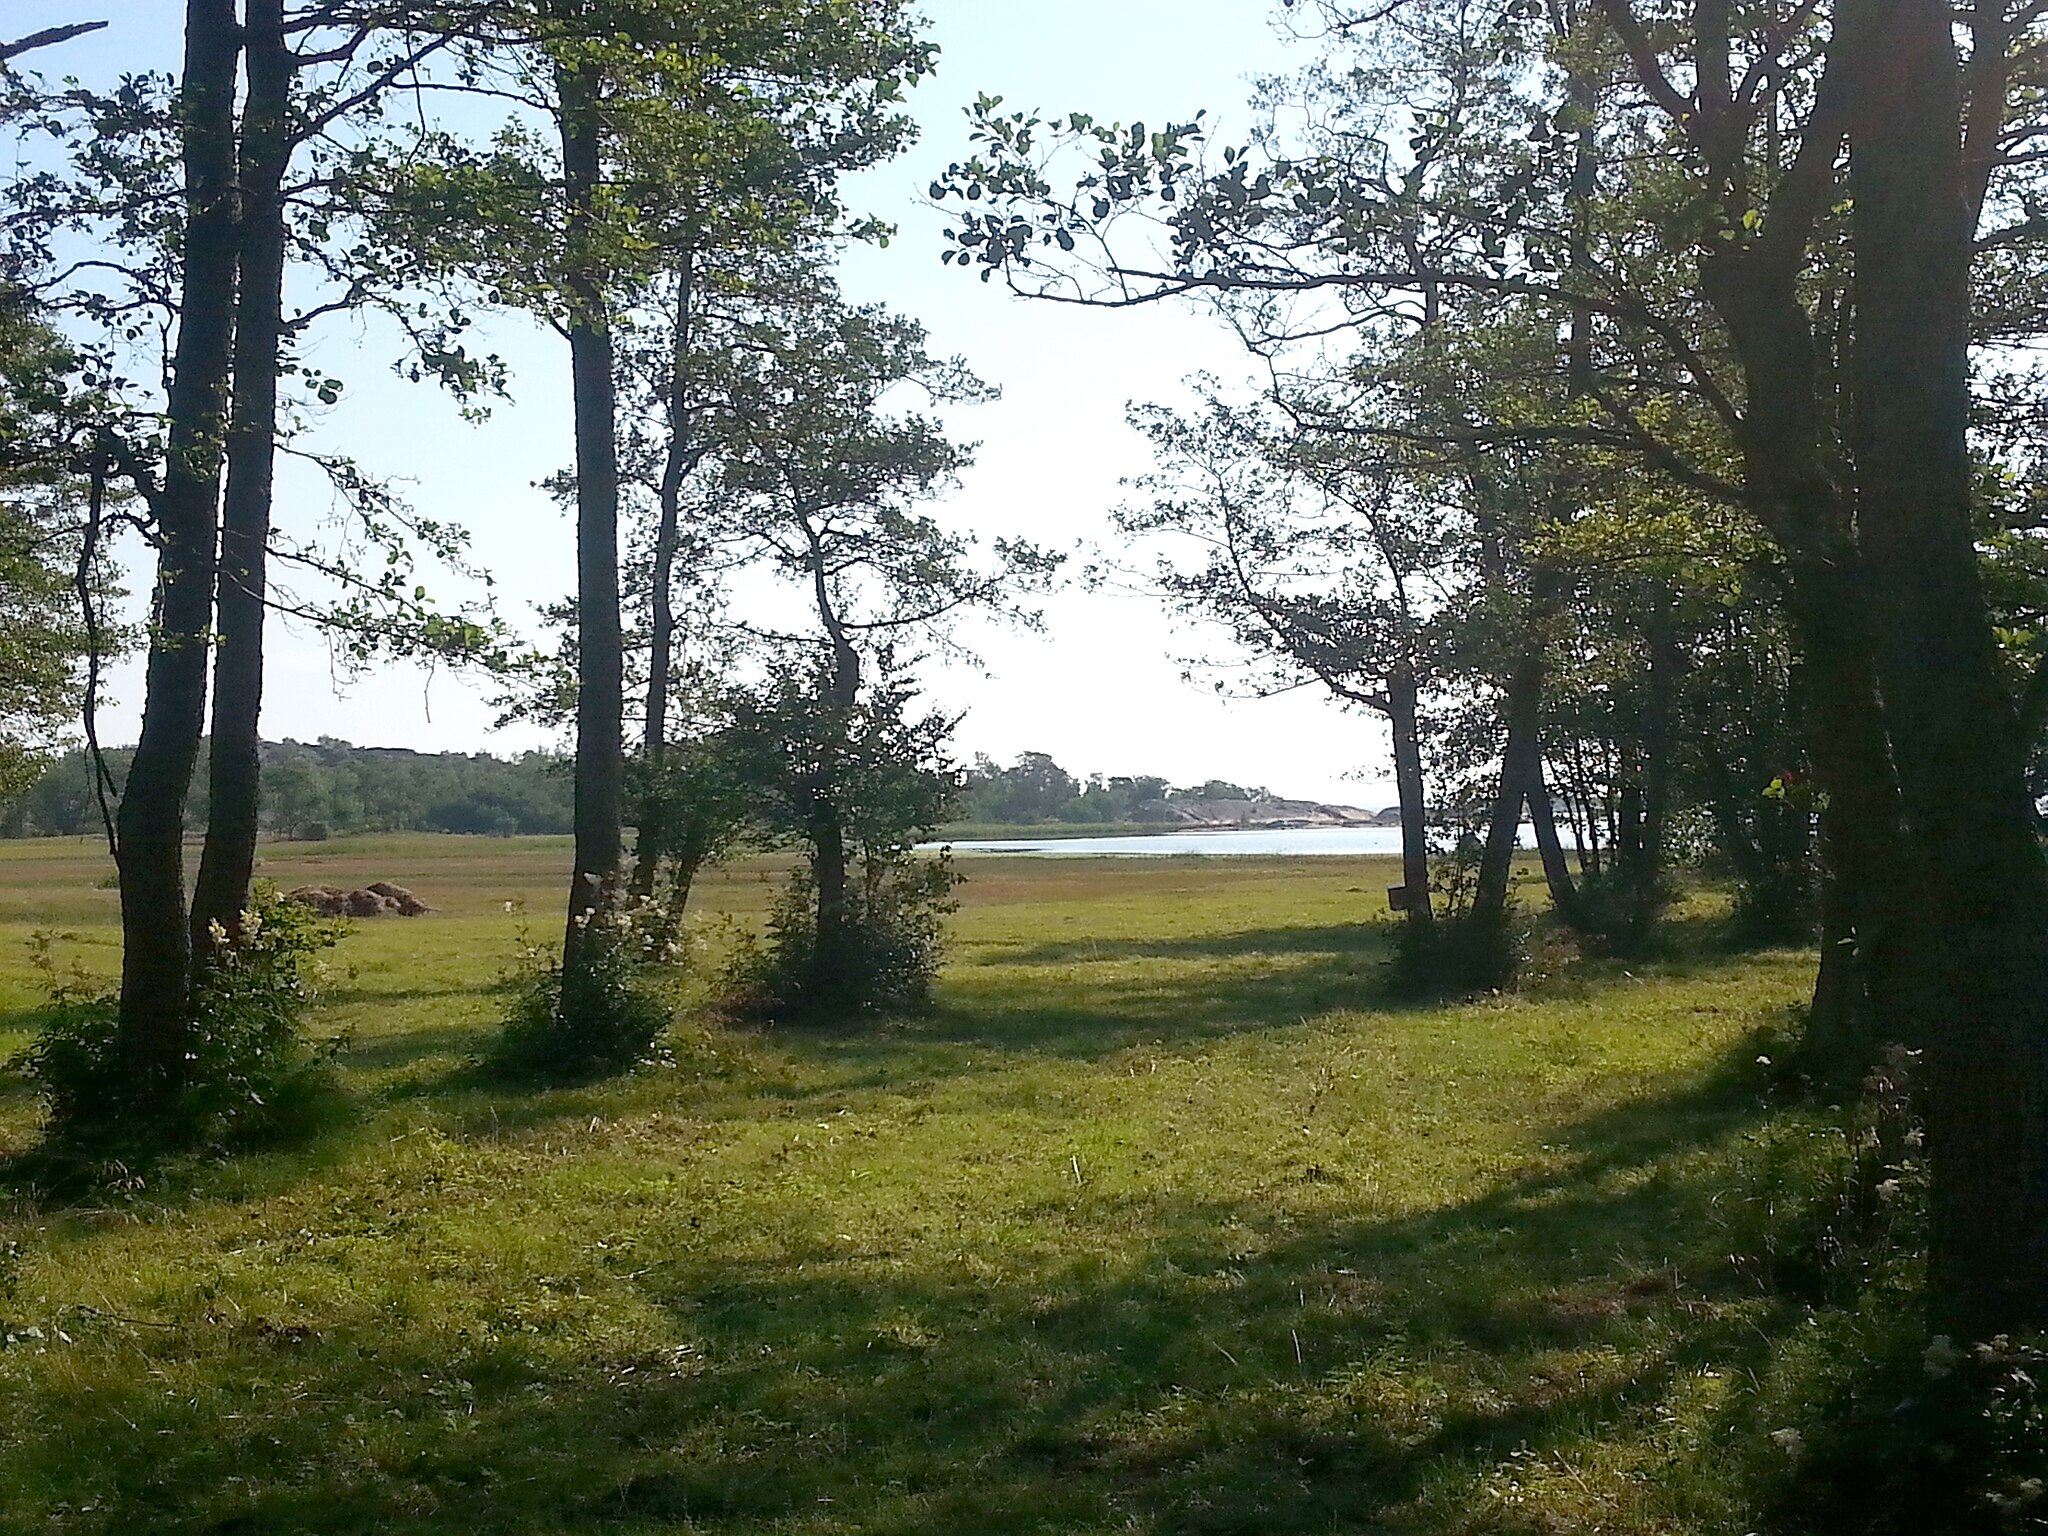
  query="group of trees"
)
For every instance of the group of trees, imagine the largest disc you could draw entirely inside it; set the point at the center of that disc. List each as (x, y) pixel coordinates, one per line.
(1649, 426)
(658, 182)
(330, 788)
(1034, 788)
(1650, 437)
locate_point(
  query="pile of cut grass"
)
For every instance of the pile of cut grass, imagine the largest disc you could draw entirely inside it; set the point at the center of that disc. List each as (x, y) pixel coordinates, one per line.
(1164, 1222)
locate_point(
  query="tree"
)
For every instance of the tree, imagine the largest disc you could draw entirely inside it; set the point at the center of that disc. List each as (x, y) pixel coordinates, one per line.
(1701, 296)
(856, 785)
(1314, 565)
(1032, 789)
(1979, 874)
(648, 102)
(156, 943)
(53, 570)
(827, 488)
(174, 267)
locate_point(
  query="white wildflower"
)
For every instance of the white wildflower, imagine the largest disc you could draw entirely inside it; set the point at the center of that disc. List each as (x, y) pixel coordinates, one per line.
(1942, 1357)
(1790, 1441)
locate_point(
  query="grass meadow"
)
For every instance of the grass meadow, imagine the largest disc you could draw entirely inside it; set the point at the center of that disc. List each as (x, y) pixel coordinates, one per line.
(1166, 1221)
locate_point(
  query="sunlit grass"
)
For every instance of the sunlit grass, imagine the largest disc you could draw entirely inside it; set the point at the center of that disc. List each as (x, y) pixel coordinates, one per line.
(1164, 1222)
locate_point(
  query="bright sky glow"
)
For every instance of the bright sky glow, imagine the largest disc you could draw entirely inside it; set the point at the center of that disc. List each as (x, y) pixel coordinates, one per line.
(1100, 688)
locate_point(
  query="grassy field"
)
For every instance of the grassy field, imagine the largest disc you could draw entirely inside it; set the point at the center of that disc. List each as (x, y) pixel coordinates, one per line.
(1167, 1221)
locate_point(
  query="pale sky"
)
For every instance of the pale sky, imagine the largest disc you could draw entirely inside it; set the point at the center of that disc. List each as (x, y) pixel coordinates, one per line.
(1101, 688)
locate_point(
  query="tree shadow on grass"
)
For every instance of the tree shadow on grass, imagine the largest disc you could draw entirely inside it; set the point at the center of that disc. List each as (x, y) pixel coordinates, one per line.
(337, 997)
(1358, 1373)
(1076, 1001)
(1101, 998)
(1371, 939)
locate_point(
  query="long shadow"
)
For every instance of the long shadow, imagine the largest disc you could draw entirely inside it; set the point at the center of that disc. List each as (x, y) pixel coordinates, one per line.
(996, 1005)
(337, 996)
(414, 1047)
(1333, 939)
(1365, 1374)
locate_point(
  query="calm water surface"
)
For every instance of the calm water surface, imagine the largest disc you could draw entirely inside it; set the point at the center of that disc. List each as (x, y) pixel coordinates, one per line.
(1303, 841)
(1300, 842)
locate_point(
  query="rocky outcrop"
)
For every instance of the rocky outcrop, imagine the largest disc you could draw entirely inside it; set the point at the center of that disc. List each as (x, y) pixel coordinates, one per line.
(379, 899)
(1260, 813)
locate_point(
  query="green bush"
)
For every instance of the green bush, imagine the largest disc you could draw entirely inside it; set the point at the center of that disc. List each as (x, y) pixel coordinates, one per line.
(1775, 910)
(1463, 948)
(603, 1015)
(249, 1073)
(1457, 953)
(885, 961)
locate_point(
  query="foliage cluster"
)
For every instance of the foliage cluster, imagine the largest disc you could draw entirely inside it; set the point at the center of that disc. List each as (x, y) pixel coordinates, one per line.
(880, 960)
(855, 784)
(330, 788)
(1468, 947)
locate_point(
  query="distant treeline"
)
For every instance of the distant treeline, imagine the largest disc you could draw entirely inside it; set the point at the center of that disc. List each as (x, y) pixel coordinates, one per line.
(329, 788)
(1037, 789)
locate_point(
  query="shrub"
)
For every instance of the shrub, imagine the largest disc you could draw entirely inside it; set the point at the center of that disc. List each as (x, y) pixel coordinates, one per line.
(1463, 948)
(885, 961)
(249, 1073)
(603, 1015)
(1776, 909)
(1458, 953)
(1621, 916)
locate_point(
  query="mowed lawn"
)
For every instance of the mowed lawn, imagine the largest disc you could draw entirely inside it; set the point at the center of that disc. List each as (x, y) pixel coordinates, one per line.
(1167, 1221)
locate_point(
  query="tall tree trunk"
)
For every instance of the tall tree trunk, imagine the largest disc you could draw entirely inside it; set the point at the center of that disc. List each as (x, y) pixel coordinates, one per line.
(830, 859)
(1646, 804)
(1954, 731)
(156, 954)
(1411, 792)
(1866, 846)
(600, 647)
(1520, 765)
(1557, 872)
(1841, 1040)
(233, 770)
(680, 459)
(1798, 499)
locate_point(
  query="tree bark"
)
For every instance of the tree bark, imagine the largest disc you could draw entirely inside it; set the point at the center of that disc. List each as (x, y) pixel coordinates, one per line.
(1983, 886)
(1557, 872)
(1841, 1040)
(680, 459)
(228, 860)
(830, 857)
(1866, 844)
(1410, 787)
(1521, 764)
(156, 955)
(600, 648)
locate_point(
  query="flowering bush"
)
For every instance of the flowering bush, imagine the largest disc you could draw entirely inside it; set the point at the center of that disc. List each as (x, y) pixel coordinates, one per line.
(605, 1013)
(248, 1072)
